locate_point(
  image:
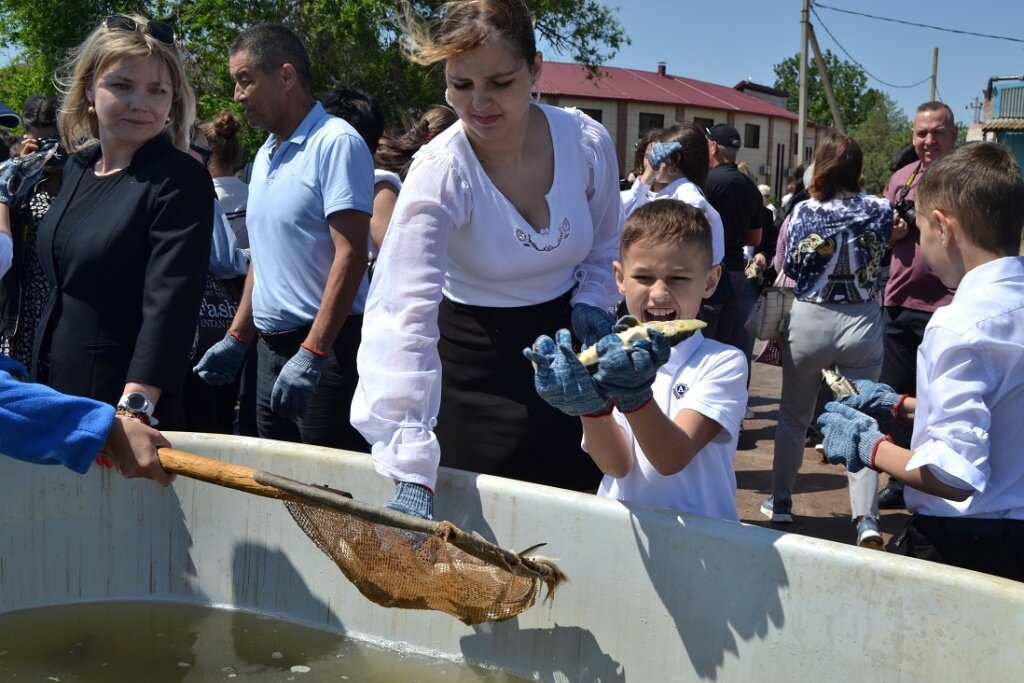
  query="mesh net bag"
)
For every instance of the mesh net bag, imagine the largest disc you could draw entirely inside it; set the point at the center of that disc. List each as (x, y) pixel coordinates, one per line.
(396, 567)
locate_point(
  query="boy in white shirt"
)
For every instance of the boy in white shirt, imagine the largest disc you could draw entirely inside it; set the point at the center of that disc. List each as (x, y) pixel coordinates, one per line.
(964, 471)
(675, 451)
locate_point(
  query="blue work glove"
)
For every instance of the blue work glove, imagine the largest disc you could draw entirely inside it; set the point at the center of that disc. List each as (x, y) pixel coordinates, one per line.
(626, 375)
(222, 361)
(850, 436)
(13, 368)
(874, 399)
(590, 323)
(661, 152)
(562, 380)
(412, 499)
(296, 383)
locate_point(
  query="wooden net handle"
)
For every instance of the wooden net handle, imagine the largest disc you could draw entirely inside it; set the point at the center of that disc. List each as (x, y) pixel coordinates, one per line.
(216, 472)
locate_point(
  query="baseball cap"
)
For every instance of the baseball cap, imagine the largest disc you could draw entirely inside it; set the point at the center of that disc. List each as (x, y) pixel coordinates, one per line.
(725, 135)
(8, 118)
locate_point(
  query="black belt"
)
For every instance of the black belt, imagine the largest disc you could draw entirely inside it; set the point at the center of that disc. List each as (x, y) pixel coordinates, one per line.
(987, 528)
(283, 339)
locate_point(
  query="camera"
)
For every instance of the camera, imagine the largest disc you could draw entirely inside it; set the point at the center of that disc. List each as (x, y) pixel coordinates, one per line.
(904, 208)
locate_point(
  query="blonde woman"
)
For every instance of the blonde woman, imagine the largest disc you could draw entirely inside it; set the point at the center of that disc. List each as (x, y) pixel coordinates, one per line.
(125, 244)
(505, 229)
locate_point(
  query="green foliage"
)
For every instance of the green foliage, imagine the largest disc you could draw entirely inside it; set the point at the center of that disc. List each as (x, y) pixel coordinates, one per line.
(884, 130)
(349, 41)
(20, 79)
(849, 83)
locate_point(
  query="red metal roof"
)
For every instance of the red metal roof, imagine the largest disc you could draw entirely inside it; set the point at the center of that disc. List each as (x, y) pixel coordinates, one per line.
(614, 83)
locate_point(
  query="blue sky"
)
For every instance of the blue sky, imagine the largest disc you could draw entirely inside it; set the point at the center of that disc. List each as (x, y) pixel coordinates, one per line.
(727, 41)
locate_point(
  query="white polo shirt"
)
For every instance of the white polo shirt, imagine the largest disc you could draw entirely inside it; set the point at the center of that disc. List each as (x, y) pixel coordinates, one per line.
(711, 378)
(324, 167)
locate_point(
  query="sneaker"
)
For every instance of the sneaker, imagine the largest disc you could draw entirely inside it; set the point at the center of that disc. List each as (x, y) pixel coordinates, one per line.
(868, 535)
(891, 497)
(778, 511)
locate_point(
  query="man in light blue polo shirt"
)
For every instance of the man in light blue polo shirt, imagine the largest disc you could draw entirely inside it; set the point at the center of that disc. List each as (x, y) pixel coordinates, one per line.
(308, 216)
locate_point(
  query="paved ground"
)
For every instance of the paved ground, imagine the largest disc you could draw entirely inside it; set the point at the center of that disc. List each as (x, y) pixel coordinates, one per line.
(821, 504)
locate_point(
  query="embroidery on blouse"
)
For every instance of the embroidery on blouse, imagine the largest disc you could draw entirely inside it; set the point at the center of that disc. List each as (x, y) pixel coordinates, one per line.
(527, 239)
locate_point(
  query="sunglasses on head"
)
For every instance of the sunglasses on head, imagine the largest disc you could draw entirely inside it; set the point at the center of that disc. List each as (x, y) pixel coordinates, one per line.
(158, 29)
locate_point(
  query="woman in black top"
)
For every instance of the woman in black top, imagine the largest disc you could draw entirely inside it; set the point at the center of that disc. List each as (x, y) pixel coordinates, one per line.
(125, 244)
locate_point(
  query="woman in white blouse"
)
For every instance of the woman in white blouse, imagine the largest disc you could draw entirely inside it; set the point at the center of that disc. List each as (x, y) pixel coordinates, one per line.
(505, 229)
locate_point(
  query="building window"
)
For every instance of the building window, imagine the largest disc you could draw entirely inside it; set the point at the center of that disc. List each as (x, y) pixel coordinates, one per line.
(593, 113)
(649, 121)
(751, 135)
(703, 123)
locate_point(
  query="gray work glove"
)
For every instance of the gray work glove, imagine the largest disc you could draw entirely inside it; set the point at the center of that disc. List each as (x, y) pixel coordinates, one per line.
(412, 499)
(850, 436)
(562, 380)
(296, 383)
(222, 361)
(590, 323)
(874, 399)
(626, 375)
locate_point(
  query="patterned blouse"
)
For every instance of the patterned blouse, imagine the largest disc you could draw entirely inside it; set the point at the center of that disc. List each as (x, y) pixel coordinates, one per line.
(34, 290)
(834, 248)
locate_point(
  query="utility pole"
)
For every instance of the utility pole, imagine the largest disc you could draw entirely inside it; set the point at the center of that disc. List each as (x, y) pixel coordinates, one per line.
(826, 83)
(801, 132)
(976, 106)
(935, 72)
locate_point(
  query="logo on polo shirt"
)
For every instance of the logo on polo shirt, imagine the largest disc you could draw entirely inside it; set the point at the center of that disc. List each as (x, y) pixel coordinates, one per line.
(680, 390)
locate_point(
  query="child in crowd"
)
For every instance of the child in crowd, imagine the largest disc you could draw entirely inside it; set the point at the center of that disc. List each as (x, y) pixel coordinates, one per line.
(675, 451)
(964, 473)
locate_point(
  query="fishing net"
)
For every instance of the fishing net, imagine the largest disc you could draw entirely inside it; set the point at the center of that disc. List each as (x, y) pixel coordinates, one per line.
(396, 567)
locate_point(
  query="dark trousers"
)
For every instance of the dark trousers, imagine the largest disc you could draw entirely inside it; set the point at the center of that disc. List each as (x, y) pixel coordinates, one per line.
(991, 546)
(726, 316)
(904, 330)
(326, 421)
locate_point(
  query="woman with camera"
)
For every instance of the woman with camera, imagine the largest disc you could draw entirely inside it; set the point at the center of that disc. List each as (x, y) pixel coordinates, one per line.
(834, 246)
(23, 289)
(124, 247)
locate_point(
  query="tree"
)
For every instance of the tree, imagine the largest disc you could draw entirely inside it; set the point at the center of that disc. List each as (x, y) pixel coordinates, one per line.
(883, 132)
(849, 83)
(350, 41)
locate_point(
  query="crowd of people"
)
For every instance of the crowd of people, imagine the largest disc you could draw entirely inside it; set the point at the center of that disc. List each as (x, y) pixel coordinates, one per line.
(420, 292)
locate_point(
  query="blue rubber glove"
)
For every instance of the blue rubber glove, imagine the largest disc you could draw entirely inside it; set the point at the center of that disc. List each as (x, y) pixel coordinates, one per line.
(624, 323)
(222, 361)
(412, 499)
(562, 380)
(850, 436)
(296, 383)
(661, 152)
(874, 399)
(590, 323)
(626, 376)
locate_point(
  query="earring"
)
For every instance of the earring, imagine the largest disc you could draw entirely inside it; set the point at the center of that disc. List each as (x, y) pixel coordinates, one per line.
(168, 120)
(535, 92)
(447, 97)
(91, 110)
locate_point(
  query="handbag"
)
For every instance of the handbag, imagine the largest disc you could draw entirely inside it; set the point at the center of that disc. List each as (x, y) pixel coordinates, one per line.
(771, 354)
(770, 309)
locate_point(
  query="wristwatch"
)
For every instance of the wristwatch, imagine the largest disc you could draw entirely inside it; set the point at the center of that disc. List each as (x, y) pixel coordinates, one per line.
(135, 404)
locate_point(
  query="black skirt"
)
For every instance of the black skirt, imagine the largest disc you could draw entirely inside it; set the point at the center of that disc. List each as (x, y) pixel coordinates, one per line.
(491, 419)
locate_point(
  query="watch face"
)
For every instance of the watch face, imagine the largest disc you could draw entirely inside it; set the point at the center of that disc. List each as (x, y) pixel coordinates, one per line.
(135, 401)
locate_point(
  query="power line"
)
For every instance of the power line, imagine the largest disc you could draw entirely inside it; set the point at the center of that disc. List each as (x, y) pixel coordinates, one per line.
(911, 23)
(854, 60)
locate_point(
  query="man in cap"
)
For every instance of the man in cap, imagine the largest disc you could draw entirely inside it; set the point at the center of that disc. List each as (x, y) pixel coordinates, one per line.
(738, 202)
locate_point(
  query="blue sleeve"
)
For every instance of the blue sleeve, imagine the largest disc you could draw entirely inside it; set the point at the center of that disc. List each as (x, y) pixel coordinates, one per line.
(346, 175)
(40, 425)
(226, 259)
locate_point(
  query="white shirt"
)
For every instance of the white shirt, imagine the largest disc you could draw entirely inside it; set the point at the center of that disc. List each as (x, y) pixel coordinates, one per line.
(969, 421)
(711, 378)
(232, 194)
(685, 191)
(454, 233)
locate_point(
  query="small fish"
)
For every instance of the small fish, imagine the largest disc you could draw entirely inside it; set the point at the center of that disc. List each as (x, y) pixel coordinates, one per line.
(674, 330)
(840, 386)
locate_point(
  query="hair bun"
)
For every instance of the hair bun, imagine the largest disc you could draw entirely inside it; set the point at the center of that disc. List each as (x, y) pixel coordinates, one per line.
(225, 124)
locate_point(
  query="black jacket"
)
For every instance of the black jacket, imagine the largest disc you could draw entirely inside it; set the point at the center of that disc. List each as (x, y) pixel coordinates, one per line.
(125, 304)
